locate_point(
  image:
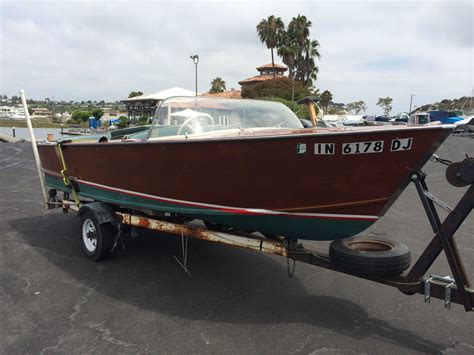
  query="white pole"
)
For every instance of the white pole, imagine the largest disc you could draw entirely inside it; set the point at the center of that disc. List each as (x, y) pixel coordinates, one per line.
(33, 144)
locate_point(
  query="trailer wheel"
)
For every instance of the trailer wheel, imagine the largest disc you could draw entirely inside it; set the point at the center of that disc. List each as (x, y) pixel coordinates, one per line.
(370, 256)
(97, 239)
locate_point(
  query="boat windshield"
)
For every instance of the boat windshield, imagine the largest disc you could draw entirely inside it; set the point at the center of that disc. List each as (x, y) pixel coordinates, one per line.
(195, 115)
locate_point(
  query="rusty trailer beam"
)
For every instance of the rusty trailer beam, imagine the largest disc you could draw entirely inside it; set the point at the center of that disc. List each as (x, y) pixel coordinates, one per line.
(247, 242)
(404, 283)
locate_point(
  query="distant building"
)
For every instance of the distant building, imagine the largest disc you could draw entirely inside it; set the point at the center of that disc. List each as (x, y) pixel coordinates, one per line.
(231, 94)
(145, 105)
(113, 115)
(6, 111)
(41, 113)
(63, 117)
(266, 73)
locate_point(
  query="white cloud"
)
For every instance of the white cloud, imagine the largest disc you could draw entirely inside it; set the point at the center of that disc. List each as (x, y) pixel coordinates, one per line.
(103, 50)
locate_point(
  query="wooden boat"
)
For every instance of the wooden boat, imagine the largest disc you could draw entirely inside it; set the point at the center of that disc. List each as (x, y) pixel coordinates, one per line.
(249, 164)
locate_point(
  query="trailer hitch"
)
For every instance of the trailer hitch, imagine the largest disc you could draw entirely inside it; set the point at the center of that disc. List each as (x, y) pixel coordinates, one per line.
(458, 174)
(445, 280)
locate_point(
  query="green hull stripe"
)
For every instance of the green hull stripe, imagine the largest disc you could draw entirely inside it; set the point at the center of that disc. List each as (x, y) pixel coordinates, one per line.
(284, 225)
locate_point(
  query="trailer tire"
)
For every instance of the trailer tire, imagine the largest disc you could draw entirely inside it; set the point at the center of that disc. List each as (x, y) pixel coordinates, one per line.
(370, 256)
(97, 239)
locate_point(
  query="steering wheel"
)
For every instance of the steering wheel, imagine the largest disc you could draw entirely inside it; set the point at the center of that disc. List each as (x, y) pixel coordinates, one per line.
(188, 120)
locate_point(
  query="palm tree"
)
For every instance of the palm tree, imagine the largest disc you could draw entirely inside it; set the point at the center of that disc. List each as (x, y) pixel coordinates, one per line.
(310, 51)
(287, 50)
(268, 31)
(303, 49)
(299, 28)
(325, 98)
(217, 85)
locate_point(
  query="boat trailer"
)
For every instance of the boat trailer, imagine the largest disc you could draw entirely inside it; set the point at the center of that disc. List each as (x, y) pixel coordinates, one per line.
(456, 289)
(451, 290)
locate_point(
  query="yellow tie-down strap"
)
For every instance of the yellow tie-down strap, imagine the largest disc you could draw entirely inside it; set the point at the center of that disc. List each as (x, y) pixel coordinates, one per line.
(65, 175)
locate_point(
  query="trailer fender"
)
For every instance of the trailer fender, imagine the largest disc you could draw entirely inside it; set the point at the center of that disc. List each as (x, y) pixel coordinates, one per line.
(102, 212)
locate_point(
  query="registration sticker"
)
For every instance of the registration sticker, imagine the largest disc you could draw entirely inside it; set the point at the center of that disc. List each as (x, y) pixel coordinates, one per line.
(362, 147)
(300, 148)
(401, 144)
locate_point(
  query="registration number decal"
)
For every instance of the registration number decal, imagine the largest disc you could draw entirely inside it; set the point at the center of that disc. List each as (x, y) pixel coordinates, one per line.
(401, 144)
(362, 147)
(396, 145)
(324, 148)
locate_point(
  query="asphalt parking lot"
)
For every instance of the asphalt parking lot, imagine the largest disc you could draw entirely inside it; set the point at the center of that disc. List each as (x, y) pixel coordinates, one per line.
(52, 299)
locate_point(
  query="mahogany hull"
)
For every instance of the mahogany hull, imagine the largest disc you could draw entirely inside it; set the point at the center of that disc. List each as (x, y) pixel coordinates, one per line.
(306, 184)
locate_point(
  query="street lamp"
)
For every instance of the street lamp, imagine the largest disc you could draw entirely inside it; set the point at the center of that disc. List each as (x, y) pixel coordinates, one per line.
(195, 59)
(411, 101)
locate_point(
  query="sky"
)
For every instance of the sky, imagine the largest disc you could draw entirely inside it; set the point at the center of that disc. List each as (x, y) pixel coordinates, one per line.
(102, 50)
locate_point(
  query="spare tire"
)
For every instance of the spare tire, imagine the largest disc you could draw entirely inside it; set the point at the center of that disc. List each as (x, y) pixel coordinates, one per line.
(370, 256)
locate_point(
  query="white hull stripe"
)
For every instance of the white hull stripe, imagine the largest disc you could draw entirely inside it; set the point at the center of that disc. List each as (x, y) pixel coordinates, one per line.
(236, 210)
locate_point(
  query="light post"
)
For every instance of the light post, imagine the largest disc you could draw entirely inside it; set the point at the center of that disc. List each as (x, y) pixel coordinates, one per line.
(293, 90)
(195, 59)
(411, 102)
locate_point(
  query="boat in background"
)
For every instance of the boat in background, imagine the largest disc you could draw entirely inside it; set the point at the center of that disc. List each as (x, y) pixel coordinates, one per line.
(446, 117)
(12, 113)
(248, 164)
(466, 125)
(419, 118)
(343, 120)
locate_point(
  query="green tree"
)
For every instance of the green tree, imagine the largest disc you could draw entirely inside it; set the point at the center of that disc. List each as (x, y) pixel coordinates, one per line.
(301, 111)
(325, 99)
(356, 107)
(269, 31)
(123, 122)
(386, 104)
(293, 45)
(281, 87)
(287, 49)
(308, 70)
(336, 109)
(97, 113)
(307, 50)
(217, 85)
(79, 115)
(143, 120)
(135, 94)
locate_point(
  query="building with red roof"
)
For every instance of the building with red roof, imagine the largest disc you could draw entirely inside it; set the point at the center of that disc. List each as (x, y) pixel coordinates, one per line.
(267, 72)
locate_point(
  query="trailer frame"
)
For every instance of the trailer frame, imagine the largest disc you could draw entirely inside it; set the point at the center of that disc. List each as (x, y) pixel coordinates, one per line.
(456, 289)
